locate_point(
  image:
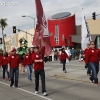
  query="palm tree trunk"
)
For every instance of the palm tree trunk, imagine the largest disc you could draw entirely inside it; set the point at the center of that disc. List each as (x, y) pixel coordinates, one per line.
(3, 40)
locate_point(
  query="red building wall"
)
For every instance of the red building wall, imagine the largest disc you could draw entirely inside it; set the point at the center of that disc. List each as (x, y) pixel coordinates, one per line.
(66, 26)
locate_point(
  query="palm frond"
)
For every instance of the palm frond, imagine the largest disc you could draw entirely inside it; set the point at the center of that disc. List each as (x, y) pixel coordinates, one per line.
(3, 22)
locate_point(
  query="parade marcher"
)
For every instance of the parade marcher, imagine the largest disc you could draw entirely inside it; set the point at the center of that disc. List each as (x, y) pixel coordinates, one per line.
(4, 63)
(92, 60)
(85, 52)
(38, 58)
(28, 64)
(63, 57)
(13, 67)
(31, 50)
(1, 55)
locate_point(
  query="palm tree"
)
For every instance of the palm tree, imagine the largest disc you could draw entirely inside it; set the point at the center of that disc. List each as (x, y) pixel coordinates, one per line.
(3, 24)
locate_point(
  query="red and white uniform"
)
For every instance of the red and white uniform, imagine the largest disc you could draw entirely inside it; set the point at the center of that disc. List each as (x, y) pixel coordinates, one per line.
(28, 59)
(4, 61)
(92, 55)
(1, 58)
(63, 56)
(14, 61)
(35, 56)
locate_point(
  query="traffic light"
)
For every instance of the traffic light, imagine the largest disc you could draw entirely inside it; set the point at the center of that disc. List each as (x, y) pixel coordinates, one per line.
(14, 29)
(66, 41)
(0, 40)
(94, 15)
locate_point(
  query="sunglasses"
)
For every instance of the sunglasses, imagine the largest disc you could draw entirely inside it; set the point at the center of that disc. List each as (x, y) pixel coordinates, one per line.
(92, 44)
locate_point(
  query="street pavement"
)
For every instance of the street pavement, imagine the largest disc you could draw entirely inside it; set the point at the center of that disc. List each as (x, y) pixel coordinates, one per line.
(73, 85)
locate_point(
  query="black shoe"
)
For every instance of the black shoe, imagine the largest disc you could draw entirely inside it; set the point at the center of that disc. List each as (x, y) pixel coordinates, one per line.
(16, 86)
(11, 85)
(30, 80)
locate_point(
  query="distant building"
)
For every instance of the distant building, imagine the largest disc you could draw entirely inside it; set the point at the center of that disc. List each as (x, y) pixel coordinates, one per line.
(61, 26)
(64, 32)
(13, 39)
(94, 27)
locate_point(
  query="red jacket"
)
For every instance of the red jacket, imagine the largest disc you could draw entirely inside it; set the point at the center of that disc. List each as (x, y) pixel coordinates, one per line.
(28, 59)
(14, 61)
(1, 58)
(63, 56)
(31, 56)
(85, 51)
(4, 61)
(35, 56)
(92, 55)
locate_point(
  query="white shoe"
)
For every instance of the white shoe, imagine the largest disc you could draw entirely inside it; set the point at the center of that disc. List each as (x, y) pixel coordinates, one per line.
(65, 71)
(44, 93)
(36, 92)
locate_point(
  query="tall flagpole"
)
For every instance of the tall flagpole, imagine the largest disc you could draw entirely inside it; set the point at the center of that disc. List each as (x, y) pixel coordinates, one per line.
(88, 35)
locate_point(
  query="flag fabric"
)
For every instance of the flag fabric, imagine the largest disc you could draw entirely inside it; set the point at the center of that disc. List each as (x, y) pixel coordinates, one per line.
(40, 29)
(45, 38)
(38, 32)
(47, 44)
(85, 36)
(40, 14)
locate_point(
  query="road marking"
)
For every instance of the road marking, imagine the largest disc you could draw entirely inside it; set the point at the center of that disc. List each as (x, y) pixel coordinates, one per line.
(64, 77)
(28, 92)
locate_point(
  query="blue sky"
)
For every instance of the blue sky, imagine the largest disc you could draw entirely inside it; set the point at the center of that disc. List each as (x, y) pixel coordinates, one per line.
(27, 7)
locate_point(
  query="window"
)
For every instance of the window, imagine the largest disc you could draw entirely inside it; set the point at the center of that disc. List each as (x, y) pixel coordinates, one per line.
(62, 37)
(56, 29)
(54, 38)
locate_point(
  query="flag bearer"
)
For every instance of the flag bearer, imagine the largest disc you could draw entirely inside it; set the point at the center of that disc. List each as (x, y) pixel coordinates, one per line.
(38, 58)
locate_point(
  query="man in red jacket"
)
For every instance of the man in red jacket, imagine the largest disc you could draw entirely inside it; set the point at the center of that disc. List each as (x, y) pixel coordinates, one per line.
(38, 58)
(92, 60)
(85, 52)
(13, 63)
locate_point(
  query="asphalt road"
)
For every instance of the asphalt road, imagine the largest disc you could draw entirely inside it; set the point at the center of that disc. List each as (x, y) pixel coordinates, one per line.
(73, 85)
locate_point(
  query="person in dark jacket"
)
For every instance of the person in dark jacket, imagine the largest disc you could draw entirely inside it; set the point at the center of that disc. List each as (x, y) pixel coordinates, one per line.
(63, 57)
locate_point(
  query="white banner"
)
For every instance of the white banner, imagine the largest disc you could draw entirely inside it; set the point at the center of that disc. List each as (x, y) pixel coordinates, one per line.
(85, 36)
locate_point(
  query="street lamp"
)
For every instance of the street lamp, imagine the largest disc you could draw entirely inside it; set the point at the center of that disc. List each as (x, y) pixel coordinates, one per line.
(30, 17)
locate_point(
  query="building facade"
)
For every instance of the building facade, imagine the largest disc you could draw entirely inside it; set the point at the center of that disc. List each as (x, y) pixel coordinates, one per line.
(13, 39)
(61, 26)
(94, 32)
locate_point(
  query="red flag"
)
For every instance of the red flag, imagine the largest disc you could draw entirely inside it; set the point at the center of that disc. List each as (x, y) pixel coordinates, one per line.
(40, 29)
(38, 32)
(46, 40)
(40, 13)
(47, 44)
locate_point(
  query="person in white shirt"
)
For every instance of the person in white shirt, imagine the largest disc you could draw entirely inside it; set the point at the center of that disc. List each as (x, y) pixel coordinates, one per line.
(68, 52)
